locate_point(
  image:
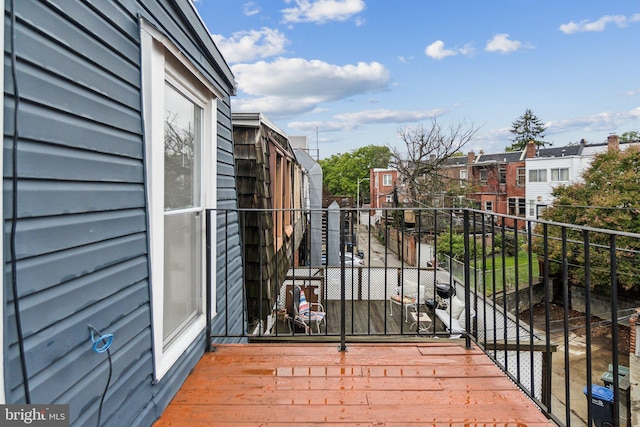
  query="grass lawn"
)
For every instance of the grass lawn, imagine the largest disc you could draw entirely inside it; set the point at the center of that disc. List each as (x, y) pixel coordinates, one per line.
(496, 282)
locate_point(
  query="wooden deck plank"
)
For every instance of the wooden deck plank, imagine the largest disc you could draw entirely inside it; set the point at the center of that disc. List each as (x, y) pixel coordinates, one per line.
(439, 384)
(481, 413)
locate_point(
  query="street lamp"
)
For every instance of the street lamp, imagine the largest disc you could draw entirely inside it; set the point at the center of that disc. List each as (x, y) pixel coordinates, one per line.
(358, 199)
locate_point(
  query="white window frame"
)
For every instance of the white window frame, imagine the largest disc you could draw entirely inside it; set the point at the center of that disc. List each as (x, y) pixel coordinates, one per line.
(483, 176)
(463, 178)
(538, 173)
(488, 203)
(521, 177)
(387, 180)
(558, 174)
(158, 55)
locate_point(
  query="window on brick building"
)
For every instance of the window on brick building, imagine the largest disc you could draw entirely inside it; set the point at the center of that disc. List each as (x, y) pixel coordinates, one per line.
(521, 177)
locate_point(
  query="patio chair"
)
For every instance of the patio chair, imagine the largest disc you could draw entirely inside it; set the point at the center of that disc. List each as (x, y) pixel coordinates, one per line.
(303, 315)
(453, 317)
(408, 299)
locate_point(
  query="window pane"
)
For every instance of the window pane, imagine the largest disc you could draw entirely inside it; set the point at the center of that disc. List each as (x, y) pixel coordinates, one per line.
(182, 272)
(183, 215)
(181, 145)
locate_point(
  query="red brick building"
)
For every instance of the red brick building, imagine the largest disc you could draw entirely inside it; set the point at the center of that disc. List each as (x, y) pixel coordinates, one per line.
(381, 186)
(495, 182)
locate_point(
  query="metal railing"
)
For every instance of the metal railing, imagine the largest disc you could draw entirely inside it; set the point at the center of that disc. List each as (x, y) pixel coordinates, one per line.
(436, 261)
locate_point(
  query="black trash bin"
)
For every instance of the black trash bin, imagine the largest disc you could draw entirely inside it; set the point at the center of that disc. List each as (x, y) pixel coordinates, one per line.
(601, 405)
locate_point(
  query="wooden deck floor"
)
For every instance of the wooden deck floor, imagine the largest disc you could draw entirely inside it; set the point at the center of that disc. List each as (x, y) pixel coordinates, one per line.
(427, 384)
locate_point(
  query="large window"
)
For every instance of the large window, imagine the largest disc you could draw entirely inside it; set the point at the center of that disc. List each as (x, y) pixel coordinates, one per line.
(538, 175)
(484, 176)
(502, 175)
(561, 174)
(463, 178)
(182, 212)
(386, 180)
(517, 206)
(532, 208)
(521, 177)
(180, 107)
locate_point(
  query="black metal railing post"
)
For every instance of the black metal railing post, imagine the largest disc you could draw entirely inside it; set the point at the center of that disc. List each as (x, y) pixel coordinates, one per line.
(548, 367)
(208, 281)
(565, 311)
(614, 327)
(467, 283)
(343, 303)
(587, 307)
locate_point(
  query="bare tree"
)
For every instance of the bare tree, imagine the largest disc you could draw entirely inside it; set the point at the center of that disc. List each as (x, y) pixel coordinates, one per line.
(420, 160)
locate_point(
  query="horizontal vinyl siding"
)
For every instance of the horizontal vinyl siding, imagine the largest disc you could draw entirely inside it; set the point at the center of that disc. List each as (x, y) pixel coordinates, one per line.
(229, 304)
(81, 243)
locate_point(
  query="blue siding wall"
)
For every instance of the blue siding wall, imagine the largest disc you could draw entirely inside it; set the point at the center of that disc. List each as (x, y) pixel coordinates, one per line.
(81, 237)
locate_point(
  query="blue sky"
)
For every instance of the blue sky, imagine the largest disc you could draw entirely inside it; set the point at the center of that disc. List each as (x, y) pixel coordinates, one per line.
(349, 73)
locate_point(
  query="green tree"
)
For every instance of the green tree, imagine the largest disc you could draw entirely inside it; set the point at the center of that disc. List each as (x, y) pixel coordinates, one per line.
(341, 172)
(630, 136)
(528, 127)
(608, 199)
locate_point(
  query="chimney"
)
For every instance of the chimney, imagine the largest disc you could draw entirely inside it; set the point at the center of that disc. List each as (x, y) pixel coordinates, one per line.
(471, 157)
(530, 150)
(613, 142)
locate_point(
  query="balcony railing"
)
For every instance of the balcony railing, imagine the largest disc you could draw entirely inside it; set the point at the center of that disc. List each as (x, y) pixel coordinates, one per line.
(528, 292)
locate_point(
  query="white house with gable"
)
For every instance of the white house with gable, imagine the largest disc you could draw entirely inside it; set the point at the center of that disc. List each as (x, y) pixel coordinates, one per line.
(556, 166)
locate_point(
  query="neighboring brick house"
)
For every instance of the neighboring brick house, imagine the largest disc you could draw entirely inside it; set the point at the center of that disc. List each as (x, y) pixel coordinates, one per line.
(455, 171)
(499, 183)
(381, 186)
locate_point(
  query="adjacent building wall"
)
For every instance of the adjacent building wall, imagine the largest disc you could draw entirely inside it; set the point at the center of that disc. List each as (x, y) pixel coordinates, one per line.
(269, 178)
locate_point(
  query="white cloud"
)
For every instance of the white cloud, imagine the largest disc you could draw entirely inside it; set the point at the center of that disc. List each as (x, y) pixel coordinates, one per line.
(321, 11)
(501, 43)
(245, 46)
(350, 121)
(250, 9)
(292, 85)
(387, 116)
(311, 126)
(405, 60)
(467, 50)
(607, 121)
(436, 50)
(600, 25)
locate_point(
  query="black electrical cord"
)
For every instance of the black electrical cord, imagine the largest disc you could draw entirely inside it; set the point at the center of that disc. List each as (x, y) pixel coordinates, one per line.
(14, 210)
(105, 342)
(106, 387)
